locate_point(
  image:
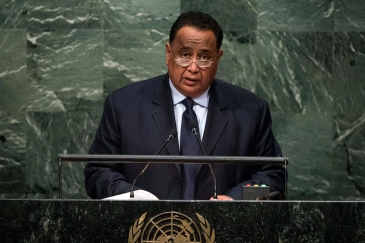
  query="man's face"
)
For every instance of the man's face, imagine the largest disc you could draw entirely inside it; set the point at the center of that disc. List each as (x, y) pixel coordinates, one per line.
(189, 42)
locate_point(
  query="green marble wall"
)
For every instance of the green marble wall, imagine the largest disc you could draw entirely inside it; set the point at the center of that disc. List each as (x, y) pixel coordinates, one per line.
(58, 60)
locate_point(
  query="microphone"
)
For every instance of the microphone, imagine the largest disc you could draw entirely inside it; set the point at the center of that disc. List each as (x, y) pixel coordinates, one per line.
(172, 135)
(194, 129)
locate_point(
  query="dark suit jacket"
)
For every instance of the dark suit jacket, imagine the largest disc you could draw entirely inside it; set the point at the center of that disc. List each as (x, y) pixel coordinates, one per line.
(137, 120)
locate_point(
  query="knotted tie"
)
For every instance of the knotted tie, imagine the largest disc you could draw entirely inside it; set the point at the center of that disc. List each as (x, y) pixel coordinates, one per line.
(189, 146)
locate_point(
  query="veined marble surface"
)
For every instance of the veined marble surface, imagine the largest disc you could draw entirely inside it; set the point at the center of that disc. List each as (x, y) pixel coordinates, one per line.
(58, 61)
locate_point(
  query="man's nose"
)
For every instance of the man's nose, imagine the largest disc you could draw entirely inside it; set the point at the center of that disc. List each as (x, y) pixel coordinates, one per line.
(193, 67)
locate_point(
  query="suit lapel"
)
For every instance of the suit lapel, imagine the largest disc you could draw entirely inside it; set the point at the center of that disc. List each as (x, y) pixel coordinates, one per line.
(216, 121)
(164, 113)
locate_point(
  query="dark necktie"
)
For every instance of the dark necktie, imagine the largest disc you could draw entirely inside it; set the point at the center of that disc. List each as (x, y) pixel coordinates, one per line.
(189, 146)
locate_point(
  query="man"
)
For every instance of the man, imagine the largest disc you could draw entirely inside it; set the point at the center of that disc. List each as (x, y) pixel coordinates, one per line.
(138, 118)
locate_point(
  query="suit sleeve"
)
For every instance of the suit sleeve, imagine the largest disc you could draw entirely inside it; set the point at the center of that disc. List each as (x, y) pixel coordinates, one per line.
(265, 146)
(105, 180)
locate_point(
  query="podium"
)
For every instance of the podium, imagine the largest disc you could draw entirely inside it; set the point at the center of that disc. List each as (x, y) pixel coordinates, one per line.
(231, 221)
(136, 221)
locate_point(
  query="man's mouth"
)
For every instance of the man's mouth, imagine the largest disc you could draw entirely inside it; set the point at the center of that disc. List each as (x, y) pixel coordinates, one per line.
(191, 81)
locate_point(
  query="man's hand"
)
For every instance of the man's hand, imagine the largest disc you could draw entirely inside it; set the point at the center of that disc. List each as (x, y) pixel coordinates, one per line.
(223, 198)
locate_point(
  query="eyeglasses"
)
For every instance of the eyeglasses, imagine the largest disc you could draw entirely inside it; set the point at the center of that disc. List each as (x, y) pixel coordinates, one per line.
(185, 62)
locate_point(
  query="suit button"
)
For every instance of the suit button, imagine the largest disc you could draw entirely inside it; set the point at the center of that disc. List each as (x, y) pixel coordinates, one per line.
(178, 180)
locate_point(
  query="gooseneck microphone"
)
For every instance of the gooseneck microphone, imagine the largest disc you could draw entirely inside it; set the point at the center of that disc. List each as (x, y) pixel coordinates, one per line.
(195, 131)
(172, 135)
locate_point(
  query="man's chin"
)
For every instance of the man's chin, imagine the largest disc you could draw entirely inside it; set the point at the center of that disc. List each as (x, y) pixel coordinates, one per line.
(192, 92)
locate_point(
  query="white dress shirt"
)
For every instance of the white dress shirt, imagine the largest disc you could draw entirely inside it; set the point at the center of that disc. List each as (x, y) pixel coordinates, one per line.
(200, 108)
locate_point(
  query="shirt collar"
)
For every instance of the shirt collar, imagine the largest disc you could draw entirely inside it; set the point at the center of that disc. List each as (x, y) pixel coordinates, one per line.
(177, 97)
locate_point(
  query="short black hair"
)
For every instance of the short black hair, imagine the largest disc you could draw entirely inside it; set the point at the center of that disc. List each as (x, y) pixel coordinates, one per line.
(200, 21)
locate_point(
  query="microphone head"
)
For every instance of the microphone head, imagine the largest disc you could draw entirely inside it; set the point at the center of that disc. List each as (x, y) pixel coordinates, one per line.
(173, 134)
(193, 127)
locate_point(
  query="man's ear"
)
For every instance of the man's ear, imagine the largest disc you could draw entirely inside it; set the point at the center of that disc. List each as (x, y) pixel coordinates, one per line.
(220, 53)
(168, 52)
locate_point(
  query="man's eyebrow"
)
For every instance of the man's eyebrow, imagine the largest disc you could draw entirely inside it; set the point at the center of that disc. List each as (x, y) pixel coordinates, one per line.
(185, 48)
(205, 50)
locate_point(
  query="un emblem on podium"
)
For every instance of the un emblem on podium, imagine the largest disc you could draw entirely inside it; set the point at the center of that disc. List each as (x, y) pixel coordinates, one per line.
(171, 227)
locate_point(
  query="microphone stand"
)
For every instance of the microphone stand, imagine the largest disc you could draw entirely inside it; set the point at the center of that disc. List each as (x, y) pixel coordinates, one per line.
(172, 135)
(194, 130)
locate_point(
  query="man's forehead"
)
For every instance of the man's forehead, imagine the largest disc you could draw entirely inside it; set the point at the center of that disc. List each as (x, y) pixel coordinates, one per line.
(189, 37)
